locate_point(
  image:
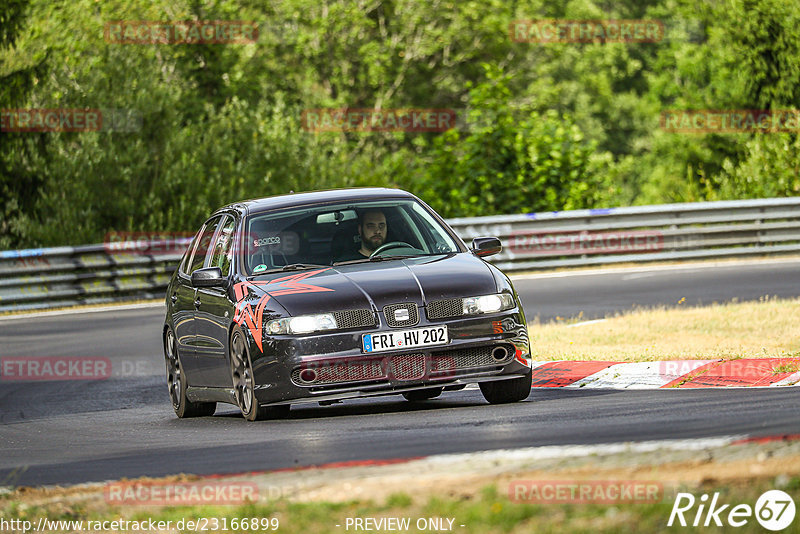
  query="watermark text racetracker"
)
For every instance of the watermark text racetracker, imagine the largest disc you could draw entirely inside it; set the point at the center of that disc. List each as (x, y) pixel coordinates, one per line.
(157, 243)
(54, 368)
(70, 120)
(719, 373)
(342, 370)
(60, 368)
(585, 491)
(149, 32)
(378, 120)
(147, 243)
(586, 31)
(549, 243)
(731, 121)
(204, 492)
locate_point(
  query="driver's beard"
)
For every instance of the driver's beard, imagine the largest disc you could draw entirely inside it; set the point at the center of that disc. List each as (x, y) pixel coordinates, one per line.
(372, 244)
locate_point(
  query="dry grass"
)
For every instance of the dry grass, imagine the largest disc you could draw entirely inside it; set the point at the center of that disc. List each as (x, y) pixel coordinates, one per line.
(763, 329)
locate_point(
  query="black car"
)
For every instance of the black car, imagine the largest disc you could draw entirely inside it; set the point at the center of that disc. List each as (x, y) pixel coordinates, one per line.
(323, 296)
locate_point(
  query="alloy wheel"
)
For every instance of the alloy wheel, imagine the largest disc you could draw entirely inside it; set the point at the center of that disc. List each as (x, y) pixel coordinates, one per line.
(242, 374)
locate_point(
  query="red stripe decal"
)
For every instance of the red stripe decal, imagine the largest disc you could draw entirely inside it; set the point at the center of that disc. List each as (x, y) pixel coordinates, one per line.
(287, 285)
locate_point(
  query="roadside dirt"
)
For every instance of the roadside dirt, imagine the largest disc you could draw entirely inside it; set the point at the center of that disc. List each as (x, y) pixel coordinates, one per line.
(677, 464)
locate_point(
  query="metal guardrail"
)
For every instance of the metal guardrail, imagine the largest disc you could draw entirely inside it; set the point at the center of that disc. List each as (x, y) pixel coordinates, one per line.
(696, 230)
(66, 276)
(89, 274)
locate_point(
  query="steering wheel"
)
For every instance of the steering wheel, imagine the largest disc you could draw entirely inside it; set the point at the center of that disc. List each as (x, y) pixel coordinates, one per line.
(388, 246)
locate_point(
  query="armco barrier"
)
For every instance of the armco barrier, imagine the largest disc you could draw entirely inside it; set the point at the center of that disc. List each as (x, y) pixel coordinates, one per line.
(641, 233)
(63, 276)
(89, 274)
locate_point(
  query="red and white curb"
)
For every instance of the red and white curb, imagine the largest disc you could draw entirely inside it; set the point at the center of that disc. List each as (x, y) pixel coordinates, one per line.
(766, 372)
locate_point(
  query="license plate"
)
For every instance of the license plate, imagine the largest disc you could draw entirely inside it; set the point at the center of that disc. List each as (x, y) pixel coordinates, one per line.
(404, 339)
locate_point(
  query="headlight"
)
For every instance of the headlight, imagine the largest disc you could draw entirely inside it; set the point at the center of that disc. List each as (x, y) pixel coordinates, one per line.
(488, 304)
(302, 324)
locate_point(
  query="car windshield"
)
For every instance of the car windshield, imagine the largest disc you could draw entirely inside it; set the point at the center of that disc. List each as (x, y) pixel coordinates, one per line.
(345, 233)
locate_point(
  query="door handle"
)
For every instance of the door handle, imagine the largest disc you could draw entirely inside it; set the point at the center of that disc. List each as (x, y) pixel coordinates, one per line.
(174, 298)
(197, 303)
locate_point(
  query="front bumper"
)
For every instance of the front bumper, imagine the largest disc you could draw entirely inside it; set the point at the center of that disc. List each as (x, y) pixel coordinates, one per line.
(333, 366)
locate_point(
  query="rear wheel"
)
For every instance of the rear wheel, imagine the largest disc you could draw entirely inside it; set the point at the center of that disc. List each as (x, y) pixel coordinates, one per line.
(505, 391)
(244, 384)
(422, 394)
(176, 382)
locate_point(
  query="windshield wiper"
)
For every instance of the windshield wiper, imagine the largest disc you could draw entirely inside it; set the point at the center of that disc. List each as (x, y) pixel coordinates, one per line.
(298, 266)
(290, 267)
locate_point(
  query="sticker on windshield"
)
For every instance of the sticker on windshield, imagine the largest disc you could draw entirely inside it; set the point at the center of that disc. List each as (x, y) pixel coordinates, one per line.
(265, 241)
(260, 267)
(282, 242)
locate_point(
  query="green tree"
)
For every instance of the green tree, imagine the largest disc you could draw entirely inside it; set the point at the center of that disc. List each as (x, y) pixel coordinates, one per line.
(513, 160)
(19, 73)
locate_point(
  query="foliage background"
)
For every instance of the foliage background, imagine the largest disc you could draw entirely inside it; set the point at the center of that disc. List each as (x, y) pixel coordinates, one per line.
(551, 126)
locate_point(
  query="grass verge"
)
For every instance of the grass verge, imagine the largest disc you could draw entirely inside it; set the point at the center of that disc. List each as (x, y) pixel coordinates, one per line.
(489, 511)
(761, 329)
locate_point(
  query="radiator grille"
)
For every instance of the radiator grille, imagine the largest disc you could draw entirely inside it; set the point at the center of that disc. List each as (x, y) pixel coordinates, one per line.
(408, 366)
(343, 371)
(413, 314)
(354, 318)
(415, 366)
(450, 360)
(441, 309)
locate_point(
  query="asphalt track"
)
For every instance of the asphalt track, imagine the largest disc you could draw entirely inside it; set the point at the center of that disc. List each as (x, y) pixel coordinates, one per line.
(81, 431)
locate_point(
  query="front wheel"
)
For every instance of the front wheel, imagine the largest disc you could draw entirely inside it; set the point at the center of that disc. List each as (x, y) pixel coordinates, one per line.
(244, 384)
(505, 391)
(176, 382)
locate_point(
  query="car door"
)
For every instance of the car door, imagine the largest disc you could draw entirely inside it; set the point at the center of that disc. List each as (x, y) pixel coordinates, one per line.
(185, 302)
(214, 312)
(182, 305)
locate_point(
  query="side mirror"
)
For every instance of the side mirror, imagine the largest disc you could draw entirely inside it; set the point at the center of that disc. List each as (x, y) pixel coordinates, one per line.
(486, 246)
(208, 277)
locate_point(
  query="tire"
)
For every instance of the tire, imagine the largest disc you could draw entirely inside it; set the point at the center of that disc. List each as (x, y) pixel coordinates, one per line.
(506, 391)
(176, 383)
(244, 383)
(422, 394)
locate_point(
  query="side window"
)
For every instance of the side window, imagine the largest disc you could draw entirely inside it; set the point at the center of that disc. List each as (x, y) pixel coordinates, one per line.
(187, 257)
(223, 247)
(442, 242)
(203, 244)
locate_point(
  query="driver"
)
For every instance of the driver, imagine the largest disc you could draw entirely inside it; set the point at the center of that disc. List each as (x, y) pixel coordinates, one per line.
(372, 229)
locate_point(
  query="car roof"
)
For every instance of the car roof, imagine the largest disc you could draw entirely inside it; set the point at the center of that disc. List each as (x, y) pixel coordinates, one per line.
(315, 197)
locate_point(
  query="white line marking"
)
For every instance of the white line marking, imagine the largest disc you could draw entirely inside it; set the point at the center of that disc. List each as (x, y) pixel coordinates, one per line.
(587, 322)
(636, 276)
(567, 451)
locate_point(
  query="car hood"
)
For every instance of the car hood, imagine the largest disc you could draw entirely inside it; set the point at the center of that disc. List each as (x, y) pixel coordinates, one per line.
(366, 285)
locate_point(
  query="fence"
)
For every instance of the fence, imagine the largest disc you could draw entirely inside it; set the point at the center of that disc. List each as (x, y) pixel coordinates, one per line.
(65, 276)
